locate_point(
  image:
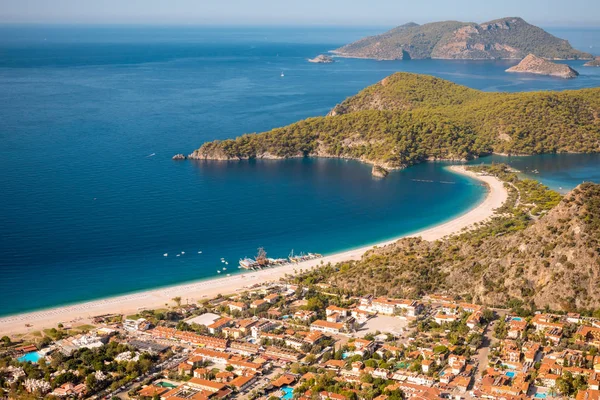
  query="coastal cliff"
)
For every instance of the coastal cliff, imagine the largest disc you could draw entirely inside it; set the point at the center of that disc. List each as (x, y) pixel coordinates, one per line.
(536, 65)
(506, 38)
(406, 119)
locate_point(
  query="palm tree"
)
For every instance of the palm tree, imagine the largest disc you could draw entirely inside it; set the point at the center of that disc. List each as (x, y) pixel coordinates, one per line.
(177, 301)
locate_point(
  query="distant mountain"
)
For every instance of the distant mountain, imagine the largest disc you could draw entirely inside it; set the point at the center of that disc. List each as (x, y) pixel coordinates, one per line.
(506, 38)
(407, 118)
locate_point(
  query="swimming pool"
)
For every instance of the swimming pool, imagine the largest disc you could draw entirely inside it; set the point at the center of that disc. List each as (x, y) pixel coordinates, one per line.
(288, 393)
(540, 395)
(517, 319)
(166, 385)
(32, 357)
(510, 374)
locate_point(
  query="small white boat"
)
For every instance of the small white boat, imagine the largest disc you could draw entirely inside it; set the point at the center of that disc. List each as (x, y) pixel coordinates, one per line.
(166, 255)
(282, 75)
(226, 263)
(178, 255)
(199, 252)
(224, 269)
(183, 252)
(218, 272)
(228, 274)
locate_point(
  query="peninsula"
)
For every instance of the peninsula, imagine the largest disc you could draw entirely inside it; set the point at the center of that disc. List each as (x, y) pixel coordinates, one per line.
(407, 118)
(505, 38)
(537, 65)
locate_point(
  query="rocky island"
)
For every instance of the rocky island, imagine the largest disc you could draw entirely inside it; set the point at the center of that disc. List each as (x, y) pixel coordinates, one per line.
(506, 38)
(593, 63)
(379, 172)
(537, 65)
(179, 157)
(321, 59)
(408, 118)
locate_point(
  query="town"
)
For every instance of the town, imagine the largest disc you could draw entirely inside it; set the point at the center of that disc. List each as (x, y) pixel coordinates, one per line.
(284, 341)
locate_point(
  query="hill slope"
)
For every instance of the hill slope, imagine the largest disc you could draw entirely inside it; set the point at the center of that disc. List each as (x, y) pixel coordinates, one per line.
(525, 254)
(509, 38)
(408, 118)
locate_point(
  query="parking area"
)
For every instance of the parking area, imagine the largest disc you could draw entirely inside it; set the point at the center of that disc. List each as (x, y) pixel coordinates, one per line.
(385, 324)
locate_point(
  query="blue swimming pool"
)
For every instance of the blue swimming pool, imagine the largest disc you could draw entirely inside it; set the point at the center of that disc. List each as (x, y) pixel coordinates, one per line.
(510, 374)
(288, 392)
(517, 318)
(540, 395)
(32, 357)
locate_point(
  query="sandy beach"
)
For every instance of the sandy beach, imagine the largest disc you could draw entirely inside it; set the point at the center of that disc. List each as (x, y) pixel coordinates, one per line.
(191, 292)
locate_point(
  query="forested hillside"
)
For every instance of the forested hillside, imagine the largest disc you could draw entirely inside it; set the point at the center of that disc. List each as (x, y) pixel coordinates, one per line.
(408, 118)
(539, 251)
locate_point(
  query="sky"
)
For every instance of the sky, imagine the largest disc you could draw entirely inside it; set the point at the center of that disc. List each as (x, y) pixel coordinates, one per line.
(297, 12)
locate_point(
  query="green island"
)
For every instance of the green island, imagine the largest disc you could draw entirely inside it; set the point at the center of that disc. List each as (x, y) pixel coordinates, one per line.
(408, 118)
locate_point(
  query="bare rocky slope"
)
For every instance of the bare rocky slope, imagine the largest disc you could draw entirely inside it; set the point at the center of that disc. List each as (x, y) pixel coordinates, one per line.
(506, 38)
(536, 65)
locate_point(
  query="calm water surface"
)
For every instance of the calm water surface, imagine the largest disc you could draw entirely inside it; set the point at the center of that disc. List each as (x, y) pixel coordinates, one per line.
(90, 117)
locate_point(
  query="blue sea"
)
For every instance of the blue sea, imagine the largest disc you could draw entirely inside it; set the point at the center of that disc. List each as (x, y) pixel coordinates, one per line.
(90, 117)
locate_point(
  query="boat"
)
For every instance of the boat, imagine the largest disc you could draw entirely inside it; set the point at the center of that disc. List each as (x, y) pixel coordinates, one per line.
(282, 75)
(183, 252)
(224, 269)
(178, 255)
(226, 263)
(218, 272)
(248, 263)
(166, 255)
(199, 252)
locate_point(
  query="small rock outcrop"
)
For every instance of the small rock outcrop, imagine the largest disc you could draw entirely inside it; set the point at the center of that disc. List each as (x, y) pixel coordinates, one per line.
(179, 157)
(379, 172)
(594, 63)
(321, 59)
(533, 64)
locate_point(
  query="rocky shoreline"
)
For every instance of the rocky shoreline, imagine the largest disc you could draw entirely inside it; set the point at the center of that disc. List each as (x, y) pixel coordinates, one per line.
(321, 59)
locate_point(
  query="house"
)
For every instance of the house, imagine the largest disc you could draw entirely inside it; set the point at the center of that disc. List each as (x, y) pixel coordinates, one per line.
(426, 365)
(282, 354)
(152, 391)
(206, 385)
(272, 298)
(364, 346)
(217, 326)
(237, 306)
(244, 366)
(441, 318)
(589, 335)
(241, 383)
(474, 319)
(384, 305)
(214, 356)
(245, 348)
(327, 327)
(304, 315)
(69, 389)
(233, 333)
(140, 324)
(331, 396)
(264, 325)
(342, 312)
(259, 305)
(185, 369)
(314, 337)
